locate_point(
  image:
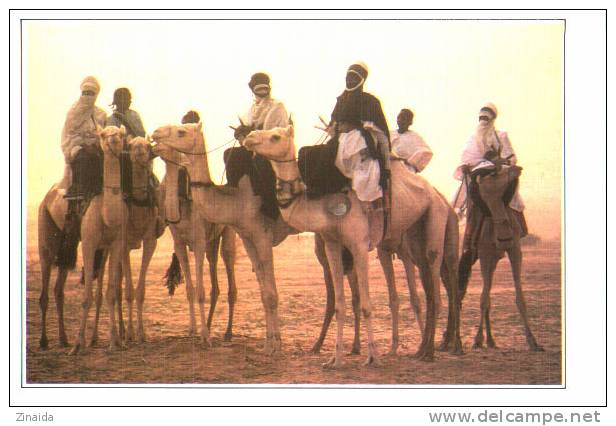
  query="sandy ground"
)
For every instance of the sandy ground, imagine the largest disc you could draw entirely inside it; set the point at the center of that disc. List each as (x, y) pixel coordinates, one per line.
(171, 356)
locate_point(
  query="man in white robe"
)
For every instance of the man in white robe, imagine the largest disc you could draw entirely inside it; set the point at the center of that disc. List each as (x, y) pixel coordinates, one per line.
(79, 135)
(266, 112)
(407, 145)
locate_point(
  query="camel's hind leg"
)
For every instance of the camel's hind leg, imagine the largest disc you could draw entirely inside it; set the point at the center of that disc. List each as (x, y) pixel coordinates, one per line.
(49, 238)
(59, 296)
(385, 257)
(199, 258)
(99, 297)
(333, 249)
(129, 294)
(227, 251)
(488, 263)
(88, 250)
(355, 300)
(149, 245)
(515, 257)
(211, 252)
(115, 277)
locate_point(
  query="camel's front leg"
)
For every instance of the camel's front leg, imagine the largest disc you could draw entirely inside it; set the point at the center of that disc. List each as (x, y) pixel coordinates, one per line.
(99, 297)
(404, 253)
(88, 250)
(333, 249)
(59, 296)
(360, 260)
(129, 294)
(44, 299)
(259, 249)
(394, 302)
(228, 257)
(199, 258)
(515, 257)
(488, 265)
(149, 245)
(182, 254)
(211, 253)
(319, 251)
(355, 301)
(115, 266)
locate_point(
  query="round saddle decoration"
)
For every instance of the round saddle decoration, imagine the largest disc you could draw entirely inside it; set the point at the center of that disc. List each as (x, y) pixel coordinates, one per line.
(338, 204)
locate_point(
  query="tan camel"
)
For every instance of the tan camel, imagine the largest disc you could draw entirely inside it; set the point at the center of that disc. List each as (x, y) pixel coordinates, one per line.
(351, 231)
(236, 207)
(500, 234)
(105, 226)
(200, 236)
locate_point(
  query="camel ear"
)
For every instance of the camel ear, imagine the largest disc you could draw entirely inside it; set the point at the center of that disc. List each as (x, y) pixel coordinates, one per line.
(123, 130)
(291, 131)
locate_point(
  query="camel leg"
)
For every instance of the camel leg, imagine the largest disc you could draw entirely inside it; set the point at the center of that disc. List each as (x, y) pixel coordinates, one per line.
(515, 257)
(385, 258)
(227, 252)
(118, 301)
(451, 336)
(333, 249)
(44, 299)
(182, 254)
(409, 267)
(352, 277)
(129, 294)
(88, 250)
(199, 258)
(211, 252)
(149, 245)
(59, 296)
(488, 265)
(115, 274)
(259, 249)
(319, 251)
(99, 298)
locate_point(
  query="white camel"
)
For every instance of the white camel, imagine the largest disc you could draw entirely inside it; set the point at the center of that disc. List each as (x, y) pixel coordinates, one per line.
(414, 202)
(190, 230)
(105, 226)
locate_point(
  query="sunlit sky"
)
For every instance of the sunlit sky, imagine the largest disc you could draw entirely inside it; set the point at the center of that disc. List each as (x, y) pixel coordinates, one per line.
(443, 70)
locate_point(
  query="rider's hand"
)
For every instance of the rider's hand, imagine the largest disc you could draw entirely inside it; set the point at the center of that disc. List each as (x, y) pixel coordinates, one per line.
(490, 155)
(74, 151)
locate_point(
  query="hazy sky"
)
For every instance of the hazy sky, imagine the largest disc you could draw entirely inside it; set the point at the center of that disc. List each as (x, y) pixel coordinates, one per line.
(443, 70)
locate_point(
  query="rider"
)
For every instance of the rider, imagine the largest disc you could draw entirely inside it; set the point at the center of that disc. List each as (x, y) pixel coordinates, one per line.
(407, 145)
(363, 144)
(80, 143)
(265, 113)
(486, 147)
(123, 116)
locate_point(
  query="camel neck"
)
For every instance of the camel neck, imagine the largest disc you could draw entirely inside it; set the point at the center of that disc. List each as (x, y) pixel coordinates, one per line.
(140, 181)
(112, 193)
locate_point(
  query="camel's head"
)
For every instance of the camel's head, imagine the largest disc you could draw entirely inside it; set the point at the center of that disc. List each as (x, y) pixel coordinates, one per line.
(275, 144)
(140, 151)
(492, 189)
(173, 140)
(112, 139)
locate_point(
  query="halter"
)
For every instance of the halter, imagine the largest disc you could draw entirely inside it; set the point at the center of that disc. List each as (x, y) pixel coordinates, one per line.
(287, 186)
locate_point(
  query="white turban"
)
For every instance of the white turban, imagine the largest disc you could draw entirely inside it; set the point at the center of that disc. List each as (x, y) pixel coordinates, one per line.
(90, 83)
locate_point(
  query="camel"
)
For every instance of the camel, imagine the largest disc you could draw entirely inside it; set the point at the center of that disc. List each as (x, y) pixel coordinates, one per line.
(499, 234)
(105, 226)
(201, 236)
(236, 207)
(350, 230)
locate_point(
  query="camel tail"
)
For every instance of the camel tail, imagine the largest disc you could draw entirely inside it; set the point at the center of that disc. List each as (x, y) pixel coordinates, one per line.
(173, 276)
(347, 261)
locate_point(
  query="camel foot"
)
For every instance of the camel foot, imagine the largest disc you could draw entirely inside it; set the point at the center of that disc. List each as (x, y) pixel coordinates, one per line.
(316, 349)
(130, 334)
(141, 336)
(78, 348)
(424, 355)
(443, 346)
(477, 345)
(457, 348)
(206, 342)
(228, 336)
(64, 341)
(491, 344)
(393, 350)
(372, 361)
(537, 348)
(355, 351)
(94, 340)
(192, 330)
(44, 343)
(332, 364)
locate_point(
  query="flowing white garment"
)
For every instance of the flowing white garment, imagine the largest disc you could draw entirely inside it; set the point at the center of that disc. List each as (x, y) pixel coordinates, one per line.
(354, 162)
(266, 113)
(411, 147)
(473, 156)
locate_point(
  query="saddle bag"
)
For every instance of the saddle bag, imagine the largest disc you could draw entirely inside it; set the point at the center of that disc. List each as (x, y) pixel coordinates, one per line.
(318, 169)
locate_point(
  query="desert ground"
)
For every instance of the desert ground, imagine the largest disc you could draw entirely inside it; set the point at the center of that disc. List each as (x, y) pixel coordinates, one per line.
(170, 356)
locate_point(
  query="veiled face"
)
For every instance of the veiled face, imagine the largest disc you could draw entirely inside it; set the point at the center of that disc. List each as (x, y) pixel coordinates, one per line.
(352, 80)
(274, 144)
(112, 139)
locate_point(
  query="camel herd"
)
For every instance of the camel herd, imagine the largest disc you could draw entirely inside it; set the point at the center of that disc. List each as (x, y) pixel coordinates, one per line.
(423, 233)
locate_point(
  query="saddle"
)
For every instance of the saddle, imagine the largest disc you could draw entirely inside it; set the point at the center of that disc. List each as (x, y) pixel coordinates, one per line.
(239, 162)
(318, 169)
